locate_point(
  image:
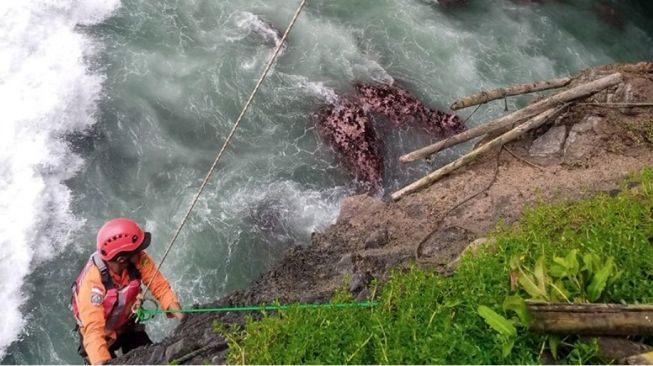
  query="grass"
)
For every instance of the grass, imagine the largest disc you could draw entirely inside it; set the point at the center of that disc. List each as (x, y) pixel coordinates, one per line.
(426, 318)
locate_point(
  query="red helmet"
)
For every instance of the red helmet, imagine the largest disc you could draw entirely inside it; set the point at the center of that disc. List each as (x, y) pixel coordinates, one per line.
(121, 235)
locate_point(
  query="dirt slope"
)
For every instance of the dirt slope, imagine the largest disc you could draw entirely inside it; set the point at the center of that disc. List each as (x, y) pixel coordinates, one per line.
(589, 148)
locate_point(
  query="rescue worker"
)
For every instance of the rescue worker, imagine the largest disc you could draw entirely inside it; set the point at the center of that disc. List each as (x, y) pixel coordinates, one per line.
(109, 287)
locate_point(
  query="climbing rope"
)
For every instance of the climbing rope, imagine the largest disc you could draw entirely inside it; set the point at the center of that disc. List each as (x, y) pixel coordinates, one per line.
(145, 314)
(231, 133)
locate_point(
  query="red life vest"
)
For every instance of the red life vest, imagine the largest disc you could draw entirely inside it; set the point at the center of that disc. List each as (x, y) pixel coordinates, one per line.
(117, 301)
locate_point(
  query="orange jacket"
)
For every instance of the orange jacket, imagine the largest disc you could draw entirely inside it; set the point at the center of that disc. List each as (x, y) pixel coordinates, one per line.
(96, 338)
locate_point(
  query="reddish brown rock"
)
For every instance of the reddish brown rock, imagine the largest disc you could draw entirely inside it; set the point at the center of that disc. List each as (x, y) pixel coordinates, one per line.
(400, 107)
(348, 129)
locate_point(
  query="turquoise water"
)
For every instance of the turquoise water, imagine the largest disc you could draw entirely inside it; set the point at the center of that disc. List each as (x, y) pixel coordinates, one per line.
(118, 109)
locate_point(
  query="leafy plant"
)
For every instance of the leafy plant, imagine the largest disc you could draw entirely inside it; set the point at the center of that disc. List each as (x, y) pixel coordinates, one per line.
(518, 306)
(566, 278)
(572, 278)
(505, 328)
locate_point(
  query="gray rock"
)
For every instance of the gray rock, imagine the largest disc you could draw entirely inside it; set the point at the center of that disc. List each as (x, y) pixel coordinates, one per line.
(180, 348)
(345, 265)
(581, 139)
(157, 355)
(220, 357)
(359, 281)
(377, 238)
(474, 248)
(208, 335)
(391, 261)
(364, 295)
(598, 124)
(585, 125)
(218, 360)
(571, 152)
(629, 95)
(550, 143)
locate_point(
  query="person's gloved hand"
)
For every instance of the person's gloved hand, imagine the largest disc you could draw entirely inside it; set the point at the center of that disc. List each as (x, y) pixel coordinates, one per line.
(138, 303)
(176, 315)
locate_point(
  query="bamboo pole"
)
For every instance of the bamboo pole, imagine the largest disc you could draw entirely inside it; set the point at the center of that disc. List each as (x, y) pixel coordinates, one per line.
(534, 122)
(516, 117)
(517, 89)
(592, 319)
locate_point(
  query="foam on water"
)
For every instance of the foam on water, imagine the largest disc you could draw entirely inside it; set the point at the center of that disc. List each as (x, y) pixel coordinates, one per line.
(47, 92)
(367, 69)
(249, 23)
(317, 89)
(287, 206)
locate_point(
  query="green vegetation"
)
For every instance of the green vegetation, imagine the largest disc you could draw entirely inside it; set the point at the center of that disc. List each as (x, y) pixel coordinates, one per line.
(640, 130)
(598, 249)
(568, 279)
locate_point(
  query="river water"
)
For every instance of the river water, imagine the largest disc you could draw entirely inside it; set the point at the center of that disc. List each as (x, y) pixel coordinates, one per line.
(117, 108)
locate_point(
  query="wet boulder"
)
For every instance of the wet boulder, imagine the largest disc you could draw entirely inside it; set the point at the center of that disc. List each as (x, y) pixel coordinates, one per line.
(400, 107)
(348, 129)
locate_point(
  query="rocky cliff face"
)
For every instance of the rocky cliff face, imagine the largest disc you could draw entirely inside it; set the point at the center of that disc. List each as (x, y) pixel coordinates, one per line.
(588, 149)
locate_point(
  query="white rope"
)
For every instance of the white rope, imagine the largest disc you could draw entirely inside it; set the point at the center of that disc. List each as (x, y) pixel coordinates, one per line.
(231, 133)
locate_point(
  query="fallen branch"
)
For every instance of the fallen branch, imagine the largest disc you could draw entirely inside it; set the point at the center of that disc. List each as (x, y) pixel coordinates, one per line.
(525, 161)
(619, 105)
(418, 248)
(474, 154)
(517, 89)
(516, 117)
(592, 319)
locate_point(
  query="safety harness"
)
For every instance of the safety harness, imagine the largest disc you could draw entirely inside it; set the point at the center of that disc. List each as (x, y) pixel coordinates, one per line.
(115, 300)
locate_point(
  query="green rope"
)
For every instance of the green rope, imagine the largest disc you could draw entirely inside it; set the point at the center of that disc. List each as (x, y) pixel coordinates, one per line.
(143, 314)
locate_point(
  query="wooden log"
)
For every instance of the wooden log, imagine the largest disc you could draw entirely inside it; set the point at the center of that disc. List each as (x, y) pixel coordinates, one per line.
(489, 137)
(592, 319)
(535, 122)
(517, 89)
(517, 117)
(619, 105)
